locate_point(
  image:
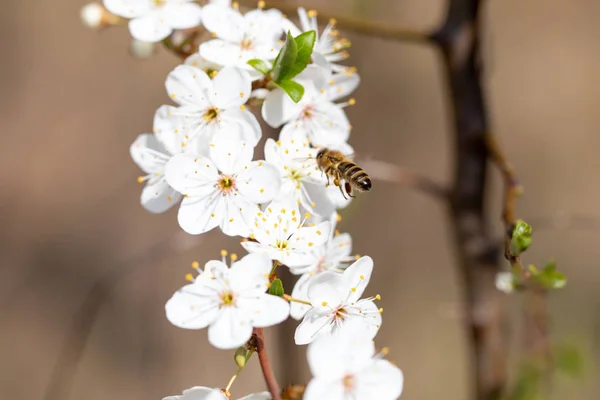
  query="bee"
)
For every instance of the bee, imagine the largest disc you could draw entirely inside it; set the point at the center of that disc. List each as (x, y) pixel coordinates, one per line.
(336, 165)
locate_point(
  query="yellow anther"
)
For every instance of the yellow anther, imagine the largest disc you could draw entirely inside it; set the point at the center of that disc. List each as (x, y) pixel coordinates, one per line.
(212, 215)
(357, 256)
(312, 13)
(362, 277)
(231, 220)
(233, 256)
(313, 204)
(332, 21)
(352, 101)
(241, 94)
(140, 179)
(336, 232)
(353, 289)
(385, 351)
(242, 107)
(223, 253)
(169, 198)
(293, 212)
(318, 232)
(214, 34)
(324, 304)
(189, 277)
(260, 163)
(173, 95)
(378, 297)
(310, 244)
(261, 4)
(235, 4)
(195, 264)
(262, 190)
(307, 215)
(380, 310)
(338, 218)
(279, 143)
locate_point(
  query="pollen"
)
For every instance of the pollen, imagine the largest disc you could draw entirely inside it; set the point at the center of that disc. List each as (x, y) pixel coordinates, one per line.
(352, 101)
(310, 244)
(261, 4)
(293, 212)
(214, 34)
(262, 190)
(223, 253)
(189, 277)
(173, 95)
(337, 232)
(353, 289)
(312, 13)
(140, 179)
(241, 94)
(233, 256)
(380, 310)
(283, 211)
(169, 198)
(212, 215)
(242, 107)
(235, 4)
(338, 218)
(324, 304)
(332, 21)
(307, 215)
(260, 163)
(362, 277)
(195, 265)
(318, 232)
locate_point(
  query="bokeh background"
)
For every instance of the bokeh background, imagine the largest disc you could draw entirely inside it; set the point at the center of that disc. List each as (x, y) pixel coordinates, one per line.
(73, 100)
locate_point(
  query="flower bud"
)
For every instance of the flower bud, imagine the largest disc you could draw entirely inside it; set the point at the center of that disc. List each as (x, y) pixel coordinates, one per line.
(241, 356)
(95, 16)
(141, 50)
(505, 282)
(521, 237)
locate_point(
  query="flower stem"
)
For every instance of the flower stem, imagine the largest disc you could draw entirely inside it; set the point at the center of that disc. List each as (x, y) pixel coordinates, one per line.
(265, 364)
(290, 299)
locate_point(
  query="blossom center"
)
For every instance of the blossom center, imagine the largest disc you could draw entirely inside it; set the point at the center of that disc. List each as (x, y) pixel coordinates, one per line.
(281, 244)
(307, 112)
(159, 3)
(227, 299)
(295, 175)
(246, 44)
(226, 184)
(211, 114)
(340, 314)
(349, 382)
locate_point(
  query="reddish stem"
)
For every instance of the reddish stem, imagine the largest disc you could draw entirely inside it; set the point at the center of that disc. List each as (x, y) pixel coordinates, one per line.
(265, 364)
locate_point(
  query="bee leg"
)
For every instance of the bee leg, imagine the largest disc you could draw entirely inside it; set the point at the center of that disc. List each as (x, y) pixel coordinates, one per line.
(348, 188)
(337, 183)
(326, 172)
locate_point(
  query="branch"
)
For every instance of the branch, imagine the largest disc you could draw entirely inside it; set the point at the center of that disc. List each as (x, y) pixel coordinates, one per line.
(384, 171)
(371, 28)
(265, 364)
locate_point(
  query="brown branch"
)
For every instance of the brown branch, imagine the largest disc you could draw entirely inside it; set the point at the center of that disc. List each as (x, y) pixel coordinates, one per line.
(383, 171)
(370, 28)
(265, 364)
(478, 253)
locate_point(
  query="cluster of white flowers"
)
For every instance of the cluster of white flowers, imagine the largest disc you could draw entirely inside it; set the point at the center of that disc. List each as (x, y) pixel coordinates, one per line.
(201, 156)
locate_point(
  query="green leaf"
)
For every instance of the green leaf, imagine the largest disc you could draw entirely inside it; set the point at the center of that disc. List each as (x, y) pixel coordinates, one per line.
(293, 89)
(276, 288)
(305, 43)
(285, 60)
(521, 237)
(259, 65)
(550, 278)
(569, 360)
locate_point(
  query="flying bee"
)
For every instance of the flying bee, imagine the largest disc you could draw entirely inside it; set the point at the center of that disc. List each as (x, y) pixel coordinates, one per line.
(336, 165)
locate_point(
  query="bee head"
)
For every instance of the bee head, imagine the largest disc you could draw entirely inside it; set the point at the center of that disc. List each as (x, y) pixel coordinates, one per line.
(321, 153)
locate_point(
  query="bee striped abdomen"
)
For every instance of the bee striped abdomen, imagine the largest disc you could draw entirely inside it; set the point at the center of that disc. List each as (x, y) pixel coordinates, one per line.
(355, 175)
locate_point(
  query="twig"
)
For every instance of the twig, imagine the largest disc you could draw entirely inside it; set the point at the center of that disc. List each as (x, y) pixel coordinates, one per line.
(388, 172)
(265, 364)
(370, 28)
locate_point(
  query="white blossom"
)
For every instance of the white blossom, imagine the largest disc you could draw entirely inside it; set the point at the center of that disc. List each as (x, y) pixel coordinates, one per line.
(197, 61)
(223, 190)
(280, 233)
(142, 50)
(328, 47)
(154, 20)
(93, 15)
(333, 256)
(505, 282)
(205, 393)
(207, 108)
(239, 38)
(345, 367)
(335, 300)
(316, 115)
(151, 156)
(230, 304)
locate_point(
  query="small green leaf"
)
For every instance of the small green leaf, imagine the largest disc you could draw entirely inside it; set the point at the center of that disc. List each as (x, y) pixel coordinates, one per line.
(293, 89)
(276, 288)
(259, 65)
(569, 360)
(285, 60)
(241, 356)
(305, 43)
(550, 278)
(521, 237)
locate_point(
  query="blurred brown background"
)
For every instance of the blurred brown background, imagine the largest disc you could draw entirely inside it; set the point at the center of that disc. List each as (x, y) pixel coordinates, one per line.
(72, 101)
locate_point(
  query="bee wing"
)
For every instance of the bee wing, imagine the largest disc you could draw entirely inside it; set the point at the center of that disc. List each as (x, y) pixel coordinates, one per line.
(303, 159)
(349, 156)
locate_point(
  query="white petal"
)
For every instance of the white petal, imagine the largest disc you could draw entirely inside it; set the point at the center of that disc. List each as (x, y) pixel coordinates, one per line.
(260, 183)
(329, 125)
(319, 76)
(169, 129)
(369, 316)
(222, 52)
(380, 377)
(266, 310)
(252, 270)
(279, 109)
(300, 292)
(296, 258)
(290, 26)
(197, 61)
(230, 330)
(128, 8)
(181, 15)
(295, 132)
(191, 175)
(258, 396)
(226, 23)
(326, 291)
(317, 192)
(240, 125)
(311, 237)
(257, 248)
(189, 86)
(232, 88)
(196, 393)
(192, 308)
(148, 153)
(197, 216)
(340, 246)
(149, 28)
(235, 222)
(312, 326)
(342, 85)
(319, 389)
(357, 276)
(230, 157)
(157, 196)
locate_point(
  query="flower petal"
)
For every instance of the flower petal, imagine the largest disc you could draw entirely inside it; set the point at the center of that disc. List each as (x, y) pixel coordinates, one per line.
(312, 326)
(189, 86)
(128, 8)
(241, 125)
(230, 157)
(199, 215)
(223, 52)
(260, 183)
(232, 88)
(230, 330)
(326, 291)
(224, 22)
(342, 85)
(300, 292)
(340, 246)
(313, 236)
(279, 109)
(169, 129)
(157, 196)
(319, 389)
(149, 27)
(196, 393)
(258, 396)
(235, 221)
(380, 377)
(191, 308)
(265, 310)
(181, 15)
(357, 277)
(317, 75)
(192, 175)
(249, 271)
(149, 154)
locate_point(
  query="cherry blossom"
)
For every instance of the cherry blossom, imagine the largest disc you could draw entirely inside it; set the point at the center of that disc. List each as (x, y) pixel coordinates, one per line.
(335, 300)
(345, 367)
(230, 304)
(205, 393)
(333, 256)
(280, 233)
(328, 47)
(208, 108)
(152, 156)
(223, 190)
(239, 38)
(316, 115)
(154, 20)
